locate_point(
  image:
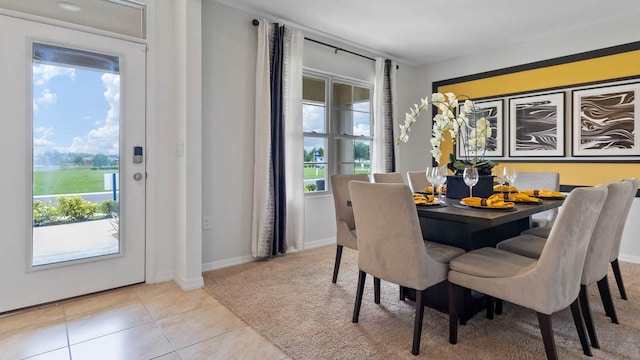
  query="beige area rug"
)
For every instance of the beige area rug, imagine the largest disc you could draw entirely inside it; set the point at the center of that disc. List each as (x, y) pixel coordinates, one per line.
(292, 302)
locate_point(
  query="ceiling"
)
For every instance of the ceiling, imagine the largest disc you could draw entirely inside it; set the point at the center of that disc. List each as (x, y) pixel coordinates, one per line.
(426, 31)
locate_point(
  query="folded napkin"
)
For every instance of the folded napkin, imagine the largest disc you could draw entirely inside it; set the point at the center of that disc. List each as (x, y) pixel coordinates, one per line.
(421, 199)
(543, 193)
(493, 201)
(518, 197)
(429, 189)
(504, 188)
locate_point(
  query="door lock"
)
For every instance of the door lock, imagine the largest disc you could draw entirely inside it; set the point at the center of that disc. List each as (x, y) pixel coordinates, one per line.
(137, 176)
(137, 155)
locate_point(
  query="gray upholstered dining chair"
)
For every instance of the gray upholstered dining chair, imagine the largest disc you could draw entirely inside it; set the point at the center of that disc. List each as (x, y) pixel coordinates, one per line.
(388, 178)
(345, 225)
(615, 250)
(536, 181)
(543, 232)
(597, 259)
(546, 285)
(417, 180)
(391, 247)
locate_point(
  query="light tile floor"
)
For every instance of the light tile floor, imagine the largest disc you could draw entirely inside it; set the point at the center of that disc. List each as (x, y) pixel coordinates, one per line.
(158, 321)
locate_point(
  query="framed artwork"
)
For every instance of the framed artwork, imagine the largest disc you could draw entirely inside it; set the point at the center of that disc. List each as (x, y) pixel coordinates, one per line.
(492, 111)
(606, 121)
(536, 126)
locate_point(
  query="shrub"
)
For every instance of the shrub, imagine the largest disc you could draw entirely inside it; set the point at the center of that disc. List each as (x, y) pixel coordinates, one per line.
(110, 207)
(75, 208)
(44, 212)
(310, 188)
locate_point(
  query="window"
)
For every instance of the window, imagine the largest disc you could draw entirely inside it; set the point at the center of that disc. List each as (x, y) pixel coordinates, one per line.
(338, 128)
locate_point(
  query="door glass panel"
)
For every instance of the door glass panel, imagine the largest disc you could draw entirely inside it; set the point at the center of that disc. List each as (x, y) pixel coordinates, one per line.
(76, 155)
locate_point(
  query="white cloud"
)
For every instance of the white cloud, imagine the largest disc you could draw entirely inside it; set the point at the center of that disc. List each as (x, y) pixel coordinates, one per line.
(104, 139)
(43, 73)
(42, 141)
(46, 98)
(313, 118)
(361, 129)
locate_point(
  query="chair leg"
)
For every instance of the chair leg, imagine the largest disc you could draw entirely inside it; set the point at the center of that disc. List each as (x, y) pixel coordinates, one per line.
(417, 325)
(616, 273)
(356, 310)
(453, 313)
(577, 320)
(376, 290)
(586, 314)
(498, 306)
(402, 295)
(336, 267)
(466, 312)
(490, 306)
(607, 301)
(546, 329)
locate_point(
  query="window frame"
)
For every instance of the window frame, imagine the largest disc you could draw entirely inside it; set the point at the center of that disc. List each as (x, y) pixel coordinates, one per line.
(329, 135)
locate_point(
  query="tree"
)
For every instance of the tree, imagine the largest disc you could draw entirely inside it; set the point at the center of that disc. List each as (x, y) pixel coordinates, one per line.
(77, 159)
(362, 150)
(100, 160)
(309, 156)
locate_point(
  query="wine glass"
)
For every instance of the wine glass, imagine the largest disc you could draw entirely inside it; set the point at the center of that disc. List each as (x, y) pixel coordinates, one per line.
(470, 177)
(500, 180)
(430, 178)
(441, 179)
(510, 174)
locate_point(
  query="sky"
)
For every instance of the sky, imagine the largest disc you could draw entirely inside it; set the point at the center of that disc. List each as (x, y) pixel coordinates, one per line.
(75, 110)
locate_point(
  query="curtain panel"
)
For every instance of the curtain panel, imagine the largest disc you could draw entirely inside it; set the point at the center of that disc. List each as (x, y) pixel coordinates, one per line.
(278, 197)
(385, 119)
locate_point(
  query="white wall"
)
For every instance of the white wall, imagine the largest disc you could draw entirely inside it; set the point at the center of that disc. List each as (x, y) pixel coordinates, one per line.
(593, 37)
(229, 53)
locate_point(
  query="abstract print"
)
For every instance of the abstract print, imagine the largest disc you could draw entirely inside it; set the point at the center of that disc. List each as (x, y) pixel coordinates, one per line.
(607, 121)
(536, 126)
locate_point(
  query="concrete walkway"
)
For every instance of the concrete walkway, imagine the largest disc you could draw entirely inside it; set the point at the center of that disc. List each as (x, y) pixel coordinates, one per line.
(58, 243)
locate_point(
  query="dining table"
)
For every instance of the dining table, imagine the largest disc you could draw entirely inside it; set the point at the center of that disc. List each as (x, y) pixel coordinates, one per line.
(454, 224)
(473, 228)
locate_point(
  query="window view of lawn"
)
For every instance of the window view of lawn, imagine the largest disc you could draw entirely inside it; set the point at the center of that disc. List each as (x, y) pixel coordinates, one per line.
(69, 181)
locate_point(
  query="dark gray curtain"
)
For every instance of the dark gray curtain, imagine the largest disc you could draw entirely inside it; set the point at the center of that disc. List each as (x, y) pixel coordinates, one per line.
(279, 245)
(388, 87)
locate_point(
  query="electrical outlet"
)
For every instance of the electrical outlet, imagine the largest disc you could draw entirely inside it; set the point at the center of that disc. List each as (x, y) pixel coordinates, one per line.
(206, 222)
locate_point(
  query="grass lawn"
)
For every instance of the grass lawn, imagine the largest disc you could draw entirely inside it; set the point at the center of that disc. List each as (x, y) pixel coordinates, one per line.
(69, 181)
(310, 172)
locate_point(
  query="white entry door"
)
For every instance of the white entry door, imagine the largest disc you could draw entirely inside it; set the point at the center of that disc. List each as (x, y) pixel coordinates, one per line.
(72, 163)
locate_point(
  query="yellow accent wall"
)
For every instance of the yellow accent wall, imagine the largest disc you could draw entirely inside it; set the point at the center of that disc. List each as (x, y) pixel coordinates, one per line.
(585, 71)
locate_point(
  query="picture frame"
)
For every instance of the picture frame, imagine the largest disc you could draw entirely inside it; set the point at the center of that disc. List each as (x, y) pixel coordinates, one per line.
(536, 126)
(492, 111)
(606, 121)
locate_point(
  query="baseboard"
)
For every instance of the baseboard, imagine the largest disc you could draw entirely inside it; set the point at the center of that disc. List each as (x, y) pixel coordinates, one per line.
(321, 242)
(190, 284)
(214, 265)
(629, 258)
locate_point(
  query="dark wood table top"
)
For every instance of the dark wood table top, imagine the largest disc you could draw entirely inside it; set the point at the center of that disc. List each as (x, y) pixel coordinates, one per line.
(484, 218)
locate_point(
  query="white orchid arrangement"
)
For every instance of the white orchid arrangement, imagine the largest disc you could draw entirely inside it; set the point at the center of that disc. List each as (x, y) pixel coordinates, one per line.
(470, 132)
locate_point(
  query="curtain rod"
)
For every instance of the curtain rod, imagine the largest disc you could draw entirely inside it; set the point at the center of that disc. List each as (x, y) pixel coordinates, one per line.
(255, 22)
